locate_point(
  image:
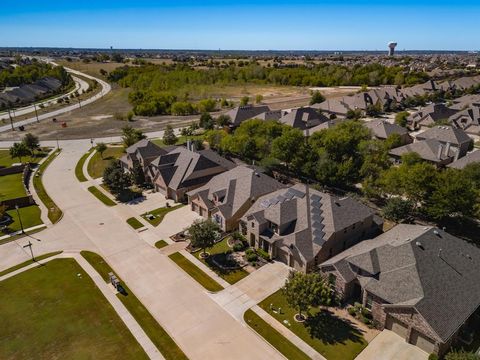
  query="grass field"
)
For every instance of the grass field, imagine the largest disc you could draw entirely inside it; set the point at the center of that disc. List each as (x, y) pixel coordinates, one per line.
(152, 328)
(28, 262)
(97, 164)
(277, 340)
(101, 196)
(11, 186)
(159, 214)
(134, 223)
(230, 276)
(55, 311)
(54, 212)
(161, 244)
(6, 160)
(328, 334)
(79, 167)
(191, 269)
(30, 216)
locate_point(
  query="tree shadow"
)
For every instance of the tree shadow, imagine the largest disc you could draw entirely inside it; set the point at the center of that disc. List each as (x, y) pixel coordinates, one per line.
(331, 329)
(467, 229)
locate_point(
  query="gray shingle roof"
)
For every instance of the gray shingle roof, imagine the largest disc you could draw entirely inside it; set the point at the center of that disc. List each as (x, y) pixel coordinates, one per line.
(242, 113)
(426, 149)
(423, 267)
(382, 129)
(446, 134)
(470, 158)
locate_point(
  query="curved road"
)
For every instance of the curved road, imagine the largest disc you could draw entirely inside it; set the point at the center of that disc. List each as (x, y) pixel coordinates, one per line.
(105, 90)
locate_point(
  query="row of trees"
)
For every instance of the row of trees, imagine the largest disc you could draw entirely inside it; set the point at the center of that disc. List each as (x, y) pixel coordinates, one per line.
(167, 89)
(27, 74)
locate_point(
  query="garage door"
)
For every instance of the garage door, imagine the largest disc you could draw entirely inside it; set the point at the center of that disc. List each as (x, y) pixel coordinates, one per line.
(422, 342)
(397, 327)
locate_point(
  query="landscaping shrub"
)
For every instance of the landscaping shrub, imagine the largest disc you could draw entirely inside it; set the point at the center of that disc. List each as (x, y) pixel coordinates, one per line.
(351, 310)
(252, 257)
(433, 357)
(263, 254)
(238, 247)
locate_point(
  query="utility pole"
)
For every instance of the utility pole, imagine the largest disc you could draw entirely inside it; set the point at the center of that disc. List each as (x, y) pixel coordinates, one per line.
(36, 114)
(79, 103)
(20, 219)
(29, 245)
(11, 121)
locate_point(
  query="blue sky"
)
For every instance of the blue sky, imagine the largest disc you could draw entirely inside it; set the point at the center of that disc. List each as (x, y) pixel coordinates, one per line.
(255, 25)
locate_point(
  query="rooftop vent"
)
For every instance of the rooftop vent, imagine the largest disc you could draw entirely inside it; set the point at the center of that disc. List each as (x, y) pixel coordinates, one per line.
(419, 244)
(436, 233)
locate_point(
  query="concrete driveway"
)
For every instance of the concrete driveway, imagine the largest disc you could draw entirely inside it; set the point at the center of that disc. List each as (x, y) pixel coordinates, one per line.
(390, 346)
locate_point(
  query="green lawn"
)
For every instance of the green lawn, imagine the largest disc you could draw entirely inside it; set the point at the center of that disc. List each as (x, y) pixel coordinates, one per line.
(331, 336)
(97, 164)
(161, 244)
(191, 269)
(180, 140)
(101, 196)
(134, 223)
(28, 262)
(30, 216)
(230, 276)
(152, 328)
(160, 214)
(79, 167)
(6, 160)
(277, 340)
(54, 212)
(12, 186)
(55, 311)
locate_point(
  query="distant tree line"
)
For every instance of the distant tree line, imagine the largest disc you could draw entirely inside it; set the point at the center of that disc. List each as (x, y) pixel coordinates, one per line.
(28, 74)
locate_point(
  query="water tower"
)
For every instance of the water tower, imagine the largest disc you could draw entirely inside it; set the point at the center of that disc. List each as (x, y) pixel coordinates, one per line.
(391, 46)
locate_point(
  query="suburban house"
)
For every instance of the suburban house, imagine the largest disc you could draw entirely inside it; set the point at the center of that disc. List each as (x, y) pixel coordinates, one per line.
(449, 137)
(470, 158)
(183, 169)
(467, 120)
(302, 227)
(303, 118)
(382, 129)
(143, 153)
(242, 113)
(333, 107)
(430, 115)
(227, 196)
(419, 282)
(269, 115)
(431, 150)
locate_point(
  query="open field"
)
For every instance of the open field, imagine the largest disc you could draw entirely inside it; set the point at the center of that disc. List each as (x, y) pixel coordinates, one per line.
(191, 269)
(277, 340)
(331, 336)
(55, 311)
(6, 160)
(98, 163)
(152, 328)
(30, 216)
(91, 68)
(11, 186)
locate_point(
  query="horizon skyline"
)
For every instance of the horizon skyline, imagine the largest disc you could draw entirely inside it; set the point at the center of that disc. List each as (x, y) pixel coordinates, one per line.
(264, 25)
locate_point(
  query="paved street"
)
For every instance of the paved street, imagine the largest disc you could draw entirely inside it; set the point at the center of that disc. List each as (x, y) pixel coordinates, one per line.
(201, 327)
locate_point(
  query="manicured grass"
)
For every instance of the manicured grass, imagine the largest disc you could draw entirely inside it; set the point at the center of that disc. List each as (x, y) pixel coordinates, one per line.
(11, 186)
(28, 262)
(56, 311)
(101, 196)
(152, 328)
(134, 223)
(180, 140)
(160, 214)
(203, 279)
(54, 212)
(6, 160)
(331, 336)
(79, 167)
(30, 216)
(230, 276)
(277, 340)
(97, 164)
(161, 244)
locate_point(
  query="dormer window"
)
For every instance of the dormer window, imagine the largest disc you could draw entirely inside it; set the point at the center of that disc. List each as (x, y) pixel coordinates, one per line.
(272, 226)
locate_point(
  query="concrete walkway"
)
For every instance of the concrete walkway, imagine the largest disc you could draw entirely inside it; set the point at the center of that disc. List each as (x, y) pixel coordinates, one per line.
(109, 294)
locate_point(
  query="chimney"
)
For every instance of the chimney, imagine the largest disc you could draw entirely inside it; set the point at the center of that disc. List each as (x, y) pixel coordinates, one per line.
(189, 145)
(439, 153)
(447, 149)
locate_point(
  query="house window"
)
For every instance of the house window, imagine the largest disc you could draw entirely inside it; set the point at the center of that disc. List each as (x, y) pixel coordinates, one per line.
(369, 302)
(272, 226)
(253, 224)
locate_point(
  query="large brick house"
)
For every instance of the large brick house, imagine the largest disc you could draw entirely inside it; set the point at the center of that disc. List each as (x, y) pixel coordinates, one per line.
(302, 227)
(419, 282)
(227, 196)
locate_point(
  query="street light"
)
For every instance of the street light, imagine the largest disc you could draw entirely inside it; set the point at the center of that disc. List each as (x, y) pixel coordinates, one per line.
(36, 114)
(20, 219)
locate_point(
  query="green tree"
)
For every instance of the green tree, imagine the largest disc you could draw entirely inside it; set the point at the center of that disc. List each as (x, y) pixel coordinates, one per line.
(317, 98)
(138, 176)
(223, 120)
(461, 355)
(101, 148)
(203, 234)
(398, 209)
(116, 179)
(31, 142)
(206, 121)
(401, 118)
(207, 105)
(169, 137)
(130, 136)
(287, 147)
(258, 99)
(214, 138)
(244, 101)
(19, 150)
